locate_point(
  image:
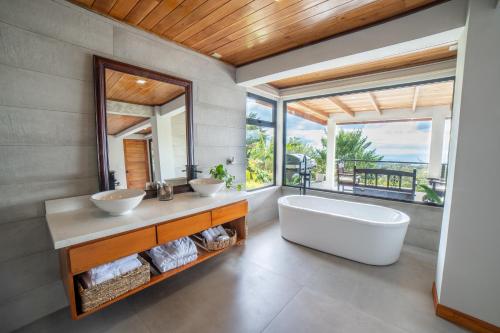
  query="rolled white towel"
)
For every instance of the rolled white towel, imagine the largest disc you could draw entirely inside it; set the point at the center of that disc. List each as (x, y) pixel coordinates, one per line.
(222, 231)
(208, 237)
(213, 233)
(222, 238)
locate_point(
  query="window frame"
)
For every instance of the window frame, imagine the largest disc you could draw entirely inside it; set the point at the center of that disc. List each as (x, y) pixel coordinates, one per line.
(348, 92)
(264, 123)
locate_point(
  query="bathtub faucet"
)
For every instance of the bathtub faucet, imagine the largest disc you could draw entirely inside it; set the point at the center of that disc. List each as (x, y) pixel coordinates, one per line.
(305, 176)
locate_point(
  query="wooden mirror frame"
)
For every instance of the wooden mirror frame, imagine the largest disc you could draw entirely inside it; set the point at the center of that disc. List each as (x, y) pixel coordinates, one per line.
(100, 66)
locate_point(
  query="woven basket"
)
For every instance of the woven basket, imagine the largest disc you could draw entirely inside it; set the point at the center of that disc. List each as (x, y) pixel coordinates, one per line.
(92, 297)
(217, 245)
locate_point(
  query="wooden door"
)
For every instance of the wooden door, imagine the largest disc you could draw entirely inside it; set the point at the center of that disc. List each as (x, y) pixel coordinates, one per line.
(136, 163)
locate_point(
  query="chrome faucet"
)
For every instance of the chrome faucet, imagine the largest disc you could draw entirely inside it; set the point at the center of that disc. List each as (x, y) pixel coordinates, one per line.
(305, 176)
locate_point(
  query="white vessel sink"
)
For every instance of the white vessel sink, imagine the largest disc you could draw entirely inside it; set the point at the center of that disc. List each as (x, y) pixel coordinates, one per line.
(118, 202)
(206, 187)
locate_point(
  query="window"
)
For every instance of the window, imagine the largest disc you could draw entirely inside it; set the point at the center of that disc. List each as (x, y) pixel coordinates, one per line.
(260, 139)
(390, 143)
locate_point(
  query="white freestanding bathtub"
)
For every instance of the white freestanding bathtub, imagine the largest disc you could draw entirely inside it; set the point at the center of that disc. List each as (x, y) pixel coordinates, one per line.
(366, 233)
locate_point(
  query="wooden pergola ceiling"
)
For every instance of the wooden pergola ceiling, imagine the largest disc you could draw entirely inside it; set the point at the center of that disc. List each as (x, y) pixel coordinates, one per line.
(398, 62)
(125, 88)
(145, 131)
(243, 31)
(118, 123)
(411, 97)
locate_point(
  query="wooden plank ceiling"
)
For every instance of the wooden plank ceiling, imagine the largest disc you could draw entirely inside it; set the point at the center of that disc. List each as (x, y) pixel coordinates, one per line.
(243, 31)
(139, 90)
(145, 131)
(411, 97)
(398, 62)
(118, 123)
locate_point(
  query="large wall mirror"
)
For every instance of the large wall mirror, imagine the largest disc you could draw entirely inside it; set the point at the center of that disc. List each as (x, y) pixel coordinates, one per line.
(144, 127)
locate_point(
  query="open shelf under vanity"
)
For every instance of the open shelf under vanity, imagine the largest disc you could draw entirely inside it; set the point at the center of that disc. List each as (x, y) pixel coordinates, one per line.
(77, 259)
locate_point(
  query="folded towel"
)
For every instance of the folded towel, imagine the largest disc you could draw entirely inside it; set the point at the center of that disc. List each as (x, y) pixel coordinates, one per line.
(129, 266)
(110, 266)
(125, 259)
(174, 254)
(168, 264)
(110, 270)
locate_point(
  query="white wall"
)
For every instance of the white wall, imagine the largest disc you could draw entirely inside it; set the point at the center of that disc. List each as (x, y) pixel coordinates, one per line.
(178, 123)
(47, 130)
(116, 157)
(468, 272)
(172, 144)
(164, 137)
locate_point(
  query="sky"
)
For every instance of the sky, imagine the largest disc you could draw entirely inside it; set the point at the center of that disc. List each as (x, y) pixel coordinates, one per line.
(407, 141)
(396, 141)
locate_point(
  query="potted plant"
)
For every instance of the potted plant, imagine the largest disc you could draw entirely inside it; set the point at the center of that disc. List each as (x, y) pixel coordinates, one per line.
(221, 173)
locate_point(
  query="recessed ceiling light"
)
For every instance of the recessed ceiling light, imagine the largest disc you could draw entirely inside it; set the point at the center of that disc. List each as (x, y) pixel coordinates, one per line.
(141, 81)
(216, 55)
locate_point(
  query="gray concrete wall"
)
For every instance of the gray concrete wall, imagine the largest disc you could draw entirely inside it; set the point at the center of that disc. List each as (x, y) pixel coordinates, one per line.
(425, 224)
(263, 205)
(47, 131)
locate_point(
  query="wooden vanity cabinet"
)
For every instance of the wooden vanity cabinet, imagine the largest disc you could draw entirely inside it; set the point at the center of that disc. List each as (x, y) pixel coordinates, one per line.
(229, 213)
(84, 257)
(79, 258)
(186, 226)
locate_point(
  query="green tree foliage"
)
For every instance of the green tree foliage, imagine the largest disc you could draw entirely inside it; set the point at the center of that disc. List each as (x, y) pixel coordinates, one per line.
(296, 145)
(353, 145)
(260, 155)
(260, 152)
(430, 195)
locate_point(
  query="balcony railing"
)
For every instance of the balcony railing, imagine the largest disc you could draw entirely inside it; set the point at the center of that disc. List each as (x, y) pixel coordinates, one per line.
(421, 179)
(421, 167)
(419, 183)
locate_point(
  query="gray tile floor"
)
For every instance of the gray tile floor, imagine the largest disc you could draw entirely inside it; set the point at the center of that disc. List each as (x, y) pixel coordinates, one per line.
(272, 285)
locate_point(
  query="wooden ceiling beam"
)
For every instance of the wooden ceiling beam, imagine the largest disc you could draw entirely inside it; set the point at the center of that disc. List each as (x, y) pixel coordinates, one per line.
(415, 98)
(397, 62)
(341, 106)
(133, 129)
(313, 110)
(306, 113)
(307, 109)
(374, 103)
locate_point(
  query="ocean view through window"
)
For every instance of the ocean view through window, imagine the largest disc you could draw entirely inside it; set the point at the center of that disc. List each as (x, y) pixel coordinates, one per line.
(382, 143)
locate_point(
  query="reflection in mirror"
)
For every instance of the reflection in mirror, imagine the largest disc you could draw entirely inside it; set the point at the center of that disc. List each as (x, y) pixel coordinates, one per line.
(146, 131)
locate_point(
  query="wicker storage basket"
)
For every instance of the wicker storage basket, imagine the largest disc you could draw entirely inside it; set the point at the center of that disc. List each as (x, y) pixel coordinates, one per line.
(92, 297)
(216, 245)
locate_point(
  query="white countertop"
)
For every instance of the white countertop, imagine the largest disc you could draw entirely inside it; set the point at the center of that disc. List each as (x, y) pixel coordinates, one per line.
(76, 220)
